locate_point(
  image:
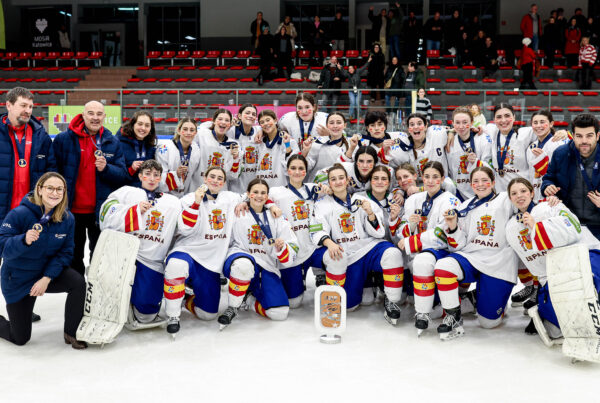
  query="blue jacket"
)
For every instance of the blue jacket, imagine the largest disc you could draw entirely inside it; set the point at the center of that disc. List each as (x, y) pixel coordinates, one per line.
(41, 161)
(23, 265)
(67, 152)
(128, 146)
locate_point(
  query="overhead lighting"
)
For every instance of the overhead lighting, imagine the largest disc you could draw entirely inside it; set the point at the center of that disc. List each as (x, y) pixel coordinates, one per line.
(128, 8)
(190, 38)
(159, 42)
(64, 13)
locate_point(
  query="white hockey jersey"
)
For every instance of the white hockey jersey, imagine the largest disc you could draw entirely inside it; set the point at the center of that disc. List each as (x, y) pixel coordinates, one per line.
(249, 238)
(429, 232)
(481, 238)
(167, 154)
(398, 153)
(155, 228)
(215, 153)
(434, 149)
(538, 166)
(247, 148)
(348, 228)
(384, 205)
(291, 124)
(323, 155)
(555, 227)
(459, 168)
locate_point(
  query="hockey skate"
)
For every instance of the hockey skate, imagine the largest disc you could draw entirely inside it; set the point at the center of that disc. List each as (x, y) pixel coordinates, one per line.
(173, 326)
(451, 326)
(392, 311)
(422, 321)
(320, 279)
(134, 324)
(520, 297)
(468, 302)
(227, 317)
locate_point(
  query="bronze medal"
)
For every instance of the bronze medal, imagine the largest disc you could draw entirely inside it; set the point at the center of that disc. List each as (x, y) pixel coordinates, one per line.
(22, 163)
(501, 173)
(98, 153)
(419, 212)
(38, 227)
(271, 241)
(520, 217)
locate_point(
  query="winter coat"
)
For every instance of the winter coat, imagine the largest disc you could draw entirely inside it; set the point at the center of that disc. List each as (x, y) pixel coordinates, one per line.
(129, 147)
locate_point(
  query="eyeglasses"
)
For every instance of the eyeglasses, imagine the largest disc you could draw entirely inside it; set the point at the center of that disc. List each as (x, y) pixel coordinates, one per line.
(52, 189)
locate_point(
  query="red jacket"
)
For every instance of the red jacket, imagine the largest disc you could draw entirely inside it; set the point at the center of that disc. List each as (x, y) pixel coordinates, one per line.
(573, 37)
(527, 26)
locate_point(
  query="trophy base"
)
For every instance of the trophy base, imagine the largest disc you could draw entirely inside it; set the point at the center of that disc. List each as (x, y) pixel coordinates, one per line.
(330, 339)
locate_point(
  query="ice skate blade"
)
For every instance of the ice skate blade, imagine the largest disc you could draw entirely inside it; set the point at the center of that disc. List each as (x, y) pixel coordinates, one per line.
(173, 336)
(390, 320)
(516, 304)
(222, 327)
(454, 334)
(420, 332)
(330, 339)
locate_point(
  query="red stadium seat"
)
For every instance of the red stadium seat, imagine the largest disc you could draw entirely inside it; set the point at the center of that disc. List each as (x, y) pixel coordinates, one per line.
(432, 54)
(213, 54)
(183, 54)
(9, 57)
(96, 57)
(24, 56)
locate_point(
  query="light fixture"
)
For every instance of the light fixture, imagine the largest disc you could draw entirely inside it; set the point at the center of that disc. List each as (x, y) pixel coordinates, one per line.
(128, 8)
(190, 38)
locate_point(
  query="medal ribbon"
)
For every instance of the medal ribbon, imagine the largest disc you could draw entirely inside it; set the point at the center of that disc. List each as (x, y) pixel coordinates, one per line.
(266, 229)
(501, 153)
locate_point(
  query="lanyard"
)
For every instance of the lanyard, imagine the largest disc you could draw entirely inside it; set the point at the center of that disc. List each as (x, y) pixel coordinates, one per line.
(329, 142)
(224, 143)
(471, 148)
(152, 196)
(501, 152)
(584, 174)
(474, 203)
(140, 149)
(239, 131)
(184, 157)
(348, 203)
(21, 147)
(310, 127)
(542, 143)
(39, 226)
(277, 140)
(311, 194)
(529, 208)
(266, 229)
(208, 193)
(428, 203)
(387, 202)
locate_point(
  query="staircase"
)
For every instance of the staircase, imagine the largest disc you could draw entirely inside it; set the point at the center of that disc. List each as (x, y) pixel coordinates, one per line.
(105, 77)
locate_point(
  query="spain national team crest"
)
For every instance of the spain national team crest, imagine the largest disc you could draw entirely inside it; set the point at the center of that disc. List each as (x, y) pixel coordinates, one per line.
(422, 163)
(216, 219)
(255, 235)
(510, 155)
(486, 226)
(250, 155)
(346, 222)
(266, 163)
(215, 160)
(525, 239)
(155, 221)
(463, 164)
(300, 210)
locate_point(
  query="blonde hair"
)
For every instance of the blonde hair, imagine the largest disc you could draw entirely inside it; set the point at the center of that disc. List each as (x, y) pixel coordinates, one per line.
(180, 124)
(36, 198)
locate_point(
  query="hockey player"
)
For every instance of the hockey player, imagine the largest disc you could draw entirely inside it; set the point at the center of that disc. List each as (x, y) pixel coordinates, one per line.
(216, 149)
(180, 159)
(243, 130)
(392, 148)
(152, 217)
(297, 200)
(354, 227)
(409, 183)
(467, 151)
(304, 122)
(423, 239)
(358, 171)
(475, 234)
(426, 142)
(261, 246)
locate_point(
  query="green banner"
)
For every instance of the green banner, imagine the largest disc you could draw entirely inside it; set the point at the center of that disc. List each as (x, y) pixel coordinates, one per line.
(59, 117)
(2, 28)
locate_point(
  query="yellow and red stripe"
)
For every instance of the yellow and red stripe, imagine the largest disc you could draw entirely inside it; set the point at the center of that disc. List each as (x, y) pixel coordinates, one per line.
(394, 227)
(525, 276)
(424, 286)
(259, 309)
(235, 167)
(452, 242)
(174, 288)
(284, 256)
(170, 181)
(394, 277)
(131, 220)
(190, 306)
(542, 166)
(238, 287)
(415, 244)
(335, 279)
(542, 241)
(479, 163)
(445, 280)
(189, 218)
(381, 155)
(406, 231)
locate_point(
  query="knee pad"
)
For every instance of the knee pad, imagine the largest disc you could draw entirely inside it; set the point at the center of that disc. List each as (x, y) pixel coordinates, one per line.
(335, 266)
(278, 313)
(177, 268)
(243, 269)
(392, 257)
(450, 265)
(203, 315)
(295, 302)
(423, 264)
(488, 323)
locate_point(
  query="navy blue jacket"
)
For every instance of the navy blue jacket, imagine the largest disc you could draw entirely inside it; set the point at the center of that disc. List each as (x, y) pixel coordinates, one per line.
(128, 146)
(41, 160)
(23, 265)
(67, 152)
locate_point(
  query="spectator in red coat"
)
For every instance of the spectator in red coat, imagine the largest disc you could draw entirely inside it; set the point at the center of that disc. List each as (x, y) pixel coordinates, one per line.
(573, 36)
(527, 64)
(531, 26)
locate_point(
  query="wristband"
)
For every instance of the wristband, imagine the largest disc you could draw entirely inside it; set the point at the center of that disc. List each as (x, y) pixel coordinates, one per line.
(288, 144)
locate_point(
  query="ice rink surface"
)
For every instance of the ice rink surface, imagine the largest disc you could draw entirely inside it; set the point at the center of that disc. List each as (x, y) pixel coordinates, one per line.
(257, 360)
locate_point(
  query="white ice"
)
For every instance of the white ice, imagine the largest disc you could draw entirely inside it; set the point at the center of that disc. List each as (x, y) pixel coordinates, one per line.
(257, 360)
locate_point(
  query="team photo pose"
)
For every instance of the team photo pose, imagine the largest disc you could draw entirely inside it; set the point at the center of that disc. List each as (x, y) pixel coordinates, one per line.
(138, 143)
(392, 148)
(426, 142)
(243, 131)
(303, 123)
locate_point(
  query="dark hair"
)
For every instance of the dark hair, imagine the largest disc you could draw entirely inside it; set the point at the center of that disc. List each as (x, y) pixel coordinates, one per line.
(503, 105)
(418, 116)
(585, 120)
(381, 168)
(217, 113)
(212, 168)
(373, 116)
(257, 181)
(487, 170)
(248, 105)
(522, 181)
(547, 114)
(340, 114)
(15, 93)
(335, 166)
(305, 96)
(267, 112)
(151, 164)
(366, 150)
(413, 64)
(127, 128)
(434, 165)
(295, 157)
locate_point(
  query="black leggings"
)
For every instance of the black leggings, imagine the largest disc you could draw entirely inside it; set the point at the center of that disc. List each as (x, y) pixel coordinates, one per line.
(18, 328)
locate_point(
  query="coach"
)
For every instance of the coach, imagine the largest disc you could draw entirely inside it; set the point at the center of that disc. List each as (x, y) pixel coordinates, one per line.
(574, 173)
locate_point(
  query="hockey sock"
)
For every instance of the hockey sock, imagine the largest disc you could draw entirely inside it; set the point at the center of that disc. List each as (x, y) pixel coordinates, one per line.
(237, 290)
(525, 277)
(393, 273)
(447, 285)
(335, 279)
(174, 291)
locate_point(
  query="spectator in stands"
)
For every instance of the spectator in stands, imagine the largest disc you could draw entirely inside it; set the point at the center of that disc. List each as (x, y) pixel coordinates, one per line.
(395, 19)
(138, 143)
(91, 161)
(282, 52)
(580, 18)
(527, 64)
(490, 58)
(257, 28)
(424, 105)
(375, 74)
(331, 78)
(477, 49)
(455, 27)
(394, 80)
(473, 27)
(478, 118)
(573, 36)
(290, 29)
(412, 34)
(265, 51)
(531, 26)
(592, 31)
(414, 80)
(354, 88)
(338, 32)
(575, 187)
(318, 40)
(463, 50)
(379, 29)
(563, 24)
(587, 59)
(63, 39)
(553, 37)
(434, 32)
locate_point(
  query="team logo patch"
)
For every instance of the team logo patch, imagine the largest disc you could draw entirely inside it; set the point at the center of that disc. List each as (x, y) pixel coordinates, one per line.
(510, 155)
(300, 210)
(266, 163)
(155, 221)
(463, 164)
(255, 235)
(525, 239)
(250, 155)
(422, 163)
(217, 219)
(215, 160)
(346, 222)
(486, 226)
(570, 220)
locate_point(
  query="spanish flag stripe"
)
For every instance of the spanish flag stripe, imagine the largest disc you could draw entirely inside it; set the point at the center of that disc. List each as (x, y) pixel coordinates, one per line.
(423, 279)
(451, 242)
(445, 280)
(393, 277)
(542, 166)
(259, 309)
(131, 220)
(189, 219)
(479, 163)
(393, 271)
(447, 287)
(337, 282)
(336, 277)
(423, 286)
(194, 206)
(170, 180)
(542, 241)
(235, 167)
(420, 292)
(415, 243)
(381, 155)
(406, 231)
